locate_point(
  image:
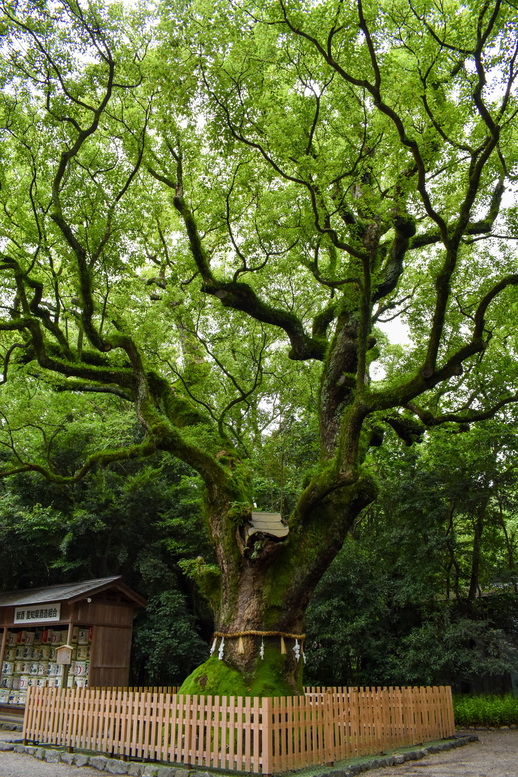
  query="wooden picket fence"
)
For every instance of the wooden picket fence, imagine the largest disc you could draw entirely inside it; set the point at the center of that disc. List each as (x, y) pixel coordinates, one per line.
(261, 735)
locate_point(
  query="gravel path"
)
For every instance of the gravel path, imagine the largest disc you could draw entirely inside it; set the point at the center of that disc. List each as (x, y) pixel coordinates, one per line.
(23, 765)
(494, 755)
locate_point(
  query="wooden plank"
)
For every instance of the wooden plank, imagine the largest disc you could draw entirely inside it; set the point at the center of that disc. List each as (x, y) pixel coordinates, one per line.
(232, 733)
(247, 766)
(350, 705)
(67, 712)
(78, 718)
(223, 733)
(256, 761)
(107, 707)
(342, 724)
(133, 722)
(419, 722)
(377, 715)
(328, 730)
(153, 726)
(216, 731)
(39, 696)
(241, 728)
(201, 740)
(139, 724)
(266, 737)
(365, 719)
(28, 718)
(98, 719)
(425, 713)
(210, 758)
(173, 731)
(354, 725)
(182, 729)
(161, 720)
(3, 644)
(49, 733)
(117, 722)
(294, 738)
(274, 735)
(194, 727)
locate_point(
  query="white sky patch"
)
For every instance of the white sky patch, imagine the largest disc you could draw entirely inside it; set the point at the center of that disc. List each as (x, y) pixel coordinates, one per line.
(397, 332)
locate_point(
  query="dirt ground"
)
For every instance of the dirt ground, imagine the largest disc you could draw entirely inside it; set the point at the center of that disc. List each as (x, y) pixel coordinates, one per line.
(495, 755)
(24, 765)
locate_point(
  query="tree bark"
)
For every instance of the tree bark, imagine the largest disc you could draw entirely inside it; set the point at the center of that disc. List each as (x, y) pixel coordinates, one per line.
(265, 586)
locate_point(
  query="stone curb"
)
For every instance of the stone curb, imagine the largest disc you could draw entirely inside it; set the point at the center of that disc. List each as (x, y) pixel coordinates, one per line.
(10, 726)
(399, 758)
(138, 769)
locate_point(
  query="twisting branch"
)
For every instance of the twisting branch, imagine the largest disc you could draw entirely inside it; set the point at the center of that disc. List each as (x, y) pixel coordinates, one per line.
(235, 294)
(426, 379)
(7, 358)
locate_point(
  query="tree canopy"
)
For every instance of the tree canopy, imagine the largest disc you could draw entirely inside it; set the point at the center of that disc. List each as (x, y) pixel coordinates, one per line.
(208, 213)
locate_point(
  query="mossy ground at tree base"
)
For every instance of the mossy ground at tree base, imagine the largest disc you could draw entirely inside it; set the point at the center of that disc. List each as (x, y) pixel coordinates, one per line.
(216, 678)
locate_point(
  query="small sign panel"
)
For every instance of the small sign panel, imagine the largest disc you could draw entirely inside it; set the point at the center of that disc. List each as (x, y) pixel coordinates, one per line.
(64, 654)
(266, 523)
(44, 613)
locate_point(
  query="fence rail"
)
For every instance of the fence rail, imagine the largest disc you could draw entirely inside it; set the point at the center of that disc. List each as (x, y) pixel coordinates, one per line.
(267, 735)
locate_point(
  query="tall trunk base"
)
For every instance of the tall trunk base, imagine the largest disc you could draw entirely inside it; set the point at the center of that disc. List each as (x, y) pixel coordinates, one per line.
(269, 678)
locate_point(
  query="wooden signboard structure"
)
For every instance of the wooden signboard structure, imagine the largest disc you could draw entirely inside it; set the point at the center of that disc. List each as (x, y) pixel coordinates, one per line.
(269, 524)
(68, 635)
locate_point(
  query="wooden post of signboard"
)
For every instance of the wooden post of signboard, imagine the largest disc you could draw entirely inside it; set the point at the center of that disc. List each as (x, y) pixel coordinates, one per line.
(2, 647)
(64, 659)
(4, 642)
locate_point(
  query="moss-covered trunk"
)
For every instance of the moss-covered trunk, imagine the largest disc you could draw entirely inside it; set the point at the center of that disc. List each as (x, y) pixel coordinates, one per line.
(253, 648)
(262, 595)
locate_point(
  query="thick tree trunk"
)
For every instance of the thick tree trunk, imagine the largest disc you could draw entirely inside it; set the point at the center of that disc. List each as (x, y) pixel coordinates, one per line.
(265, 589)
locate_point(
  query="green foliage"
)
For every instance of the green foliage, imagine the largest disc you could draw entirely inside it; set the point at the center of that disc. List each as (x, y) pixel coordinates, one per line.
(447, 648)
(424, 590)
(208, 211)
(138, 520)
(485, 710)
(206, 576)
(166, 645)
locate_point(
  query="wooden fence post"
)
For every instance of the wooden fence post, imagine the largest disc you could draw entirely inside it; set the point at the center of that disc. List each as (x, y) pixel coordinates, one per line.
(267, 739)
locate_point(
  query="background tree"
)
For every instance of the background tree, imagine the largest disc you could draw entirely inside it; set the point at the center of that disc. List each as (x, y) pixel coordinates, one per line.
(399, 604)
(139, 520)
(204, 219)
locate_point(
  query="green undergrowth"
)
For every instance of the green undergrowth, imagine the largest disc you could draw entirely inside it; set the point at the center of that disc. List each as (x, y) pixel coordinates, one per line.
(485, 710)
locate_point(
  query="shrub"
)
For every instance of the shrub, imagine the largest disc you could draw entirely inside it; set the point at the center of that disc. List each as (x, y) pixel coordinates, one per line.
(485, 710)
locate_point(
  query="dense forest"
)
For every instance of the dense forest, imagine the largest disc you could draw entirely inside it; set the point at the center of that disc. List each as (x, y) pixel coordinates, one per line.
(214, 219)
(423, 591)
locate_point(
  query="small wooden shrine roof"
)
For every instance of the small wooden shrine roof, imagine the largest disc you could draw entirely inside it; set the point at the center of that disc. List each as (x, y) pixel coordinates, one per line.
(267, 523)
(71, 592)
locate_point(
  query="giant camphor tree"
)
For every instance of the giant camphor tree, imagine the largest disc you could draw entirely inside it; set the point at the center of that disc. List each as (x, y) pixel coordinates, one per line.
(208, 212)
